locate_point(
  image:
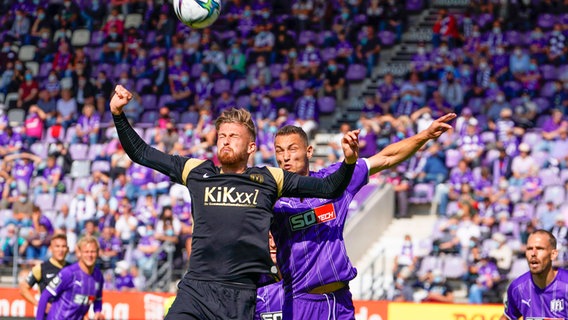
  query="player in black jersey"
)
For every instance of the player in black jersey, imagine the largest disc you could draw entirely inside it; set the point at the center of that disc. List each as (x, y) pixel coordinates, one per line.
(232, 211)
(42, 273)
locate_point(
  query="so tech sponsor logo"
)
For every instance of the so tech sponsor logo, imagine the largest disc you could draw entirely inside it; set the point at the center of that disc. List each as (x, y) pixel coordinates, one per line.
(230, 196)
(309, 218)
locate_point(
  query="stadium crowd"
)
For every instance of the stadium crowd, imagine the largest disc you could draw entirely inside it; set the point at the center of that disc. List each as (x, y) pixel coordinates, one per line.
(501, 67)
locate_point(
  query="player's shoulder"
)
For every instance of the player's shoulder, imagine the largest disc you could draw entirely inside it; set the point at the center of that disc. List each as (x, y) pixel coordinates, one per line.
(521, 281)
(562, 275)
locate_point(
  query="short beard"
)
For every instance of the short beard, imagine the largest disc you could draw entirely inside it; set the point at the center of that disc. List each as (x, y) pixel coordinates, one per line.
(230, 159)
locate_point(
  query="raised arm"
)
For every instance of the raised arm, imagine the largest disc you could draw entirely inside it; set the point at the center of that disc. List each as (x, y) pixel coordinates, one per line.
(331, 186)
(138, 150)
(397, 152)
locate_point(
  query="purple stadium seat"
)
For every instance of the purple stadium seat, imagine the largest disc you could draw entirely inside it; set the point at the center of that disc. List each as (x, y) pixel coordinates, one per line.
(488, 137)
(356, 72)
(149, 102)
(238, 85)
(484, 19)
(513, 37)
(81, 182)
(422, 193)
(514, 87)
(141, 83)
(243, 101)
(107, 68)
(549, 177)
(44, 69)
(546, 21)
(40, 149)
(196, 70)
(275, 70)
(429, 263)
(150, 37)
(563, 19)
(306, 36)
(547, 90)
(360, 19)
(388, 38)
(476, 105)
(452, 208)
(414, 5)
(61, 199)
(189, 117)
(554, 193)
(95, 150)
(549, 72)
(44, 201)
(119, 68)
(328, 53)
(221, 85)
(518, 268)
(164, 100)
(300, 85)
(97, 38)
(540, 157)
(453, 156)
(453, 267)
(79, 151)
(148, 119)
(532, 138)
(564, 175)
(543, 104)
(94, 53)
(326, 105)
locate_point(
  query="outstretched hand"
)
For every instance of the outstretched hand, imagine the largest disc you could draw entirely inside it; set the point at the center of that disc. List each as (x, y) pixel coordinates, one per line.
(350, 145)
(120, 98)
(440, 125)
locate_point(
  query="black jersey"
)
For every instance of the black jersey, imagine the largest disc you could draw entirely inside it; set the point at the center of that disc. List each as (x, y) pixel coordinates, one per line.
(231, 212)
(43, 273)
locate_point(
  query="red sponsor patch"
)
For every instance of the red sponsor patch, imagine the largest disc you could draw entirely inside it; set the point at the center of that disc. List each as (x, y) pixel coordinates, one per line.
(325, 213)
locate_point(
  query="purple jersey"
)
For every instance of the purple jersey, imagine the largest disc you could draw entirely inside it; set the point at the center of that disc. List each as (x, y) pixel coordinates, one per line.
(269, 301)
(73, 291)
(525, 299)
(309, 235)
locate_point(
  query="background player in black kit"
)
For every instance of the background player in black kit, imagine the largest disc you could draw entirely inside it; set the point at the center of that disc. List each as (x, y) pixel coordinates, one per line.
(43, 272)
(232, 211)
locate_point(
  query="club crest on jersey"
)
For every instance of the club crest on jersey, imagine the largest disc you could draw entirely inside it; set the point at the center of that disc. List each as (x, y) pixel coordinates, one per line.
(312, 217)
(557, 305)
(271, 315)
(258, 178)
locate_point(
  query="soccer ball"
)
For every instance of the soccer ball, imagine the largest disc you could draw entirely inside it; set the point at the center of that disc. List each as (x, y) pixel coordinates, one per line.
(197, 13)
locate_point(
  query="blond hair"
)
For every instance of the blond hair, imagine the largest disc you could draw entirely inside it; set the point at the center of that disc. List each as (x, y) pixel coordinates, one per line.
(87, 239)
(240, 116)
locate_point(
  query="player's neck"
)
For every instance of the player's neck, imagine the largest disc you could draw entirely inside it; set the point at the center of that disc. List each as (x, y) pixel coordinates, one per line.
(237, 168)
(544, 279)
(86, 269)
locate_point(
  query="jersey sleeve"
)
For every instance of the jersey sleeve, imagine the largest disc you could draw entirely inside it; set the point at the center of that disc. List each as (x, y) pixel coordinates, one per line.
(330, 187)
(141, 153)
(98, 303)
(34, 276)
(511, 310)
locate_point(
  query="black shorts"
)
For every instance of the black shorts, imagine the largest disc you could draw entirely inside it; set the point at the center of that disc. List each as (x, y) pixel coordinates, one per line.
(202, 300)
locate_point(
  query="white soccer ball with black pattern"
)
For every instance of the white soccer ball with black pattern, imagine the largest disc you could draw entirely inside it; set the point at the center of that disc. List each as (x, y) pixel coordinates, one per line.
(197, 14)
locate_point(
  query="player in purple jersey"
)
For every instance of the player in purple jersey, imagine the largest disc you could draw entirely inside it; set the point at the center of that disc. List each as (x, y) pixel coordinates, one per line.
(309, 232)
(76, 287)
(270, 298)
(542, 292)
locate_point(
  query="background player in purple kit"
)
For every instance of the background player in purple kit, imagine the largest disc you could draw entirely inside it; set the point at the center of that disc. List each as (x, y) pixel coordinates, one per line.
(76, 287)
(541, 293)
(309, 232)
(270, 298)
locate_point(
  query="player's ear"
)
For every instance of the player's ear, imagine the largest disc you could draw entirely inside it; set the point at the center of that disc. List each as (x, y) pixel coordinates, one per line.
(554, 254)
(310, 152)
(252, 147)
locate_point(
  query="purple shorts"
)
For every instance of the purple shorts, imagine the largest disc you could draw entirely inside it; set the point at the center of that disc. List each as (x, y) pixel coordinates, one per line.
(336, 305)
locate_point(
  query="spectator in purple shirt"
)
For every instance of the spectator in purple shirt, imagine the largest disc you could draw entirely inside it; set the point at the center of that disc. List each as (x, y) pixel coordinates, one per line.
(557, 46)
(123, 278)
(282, 92)
(110, 248)
(307, 111)
(146, 247)
(470, 145)
(487, 278)
(88, 125)
(50, 181)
